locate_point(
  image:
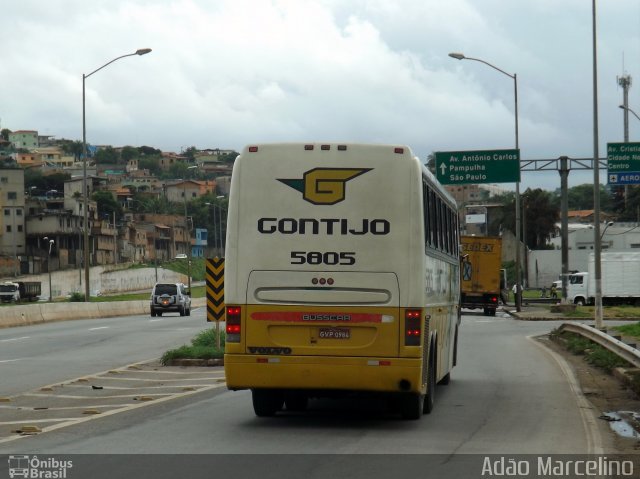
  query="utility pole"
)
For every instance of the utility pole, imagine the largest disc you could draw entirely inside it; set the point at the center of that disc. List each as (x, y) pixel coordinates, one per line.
(115, 240)
(625, 82)
(564, 215)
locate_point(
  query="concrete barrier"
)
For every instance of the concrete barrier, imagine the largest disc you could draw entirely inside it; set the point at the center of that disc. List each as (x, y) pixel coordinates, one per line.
(23, 315)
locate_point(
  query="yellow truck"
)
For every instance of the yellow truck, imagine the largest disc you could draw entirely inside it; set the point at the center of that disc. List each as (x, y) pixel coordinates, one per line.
(481, 277)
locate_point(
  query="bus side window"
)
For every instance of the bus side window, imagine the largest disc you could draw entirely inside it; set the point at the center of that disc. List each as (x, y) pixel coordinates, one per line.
(450, 230)
(425, 214)
(441, 229)
(447, 227)
(432, 218)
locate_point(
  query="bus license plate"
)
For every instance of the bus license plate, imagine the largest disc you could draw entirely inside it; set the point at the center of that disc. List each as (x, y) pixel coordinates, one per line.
(335, 333)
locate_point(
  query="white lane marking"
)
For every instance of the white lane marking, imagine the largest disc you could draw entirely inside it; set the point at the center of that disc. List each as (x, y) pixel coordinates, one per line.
(14, 339)
(74, 421)
(11, 360)
(39, 421)
(587, 412)
(96, 329)
(155, 320)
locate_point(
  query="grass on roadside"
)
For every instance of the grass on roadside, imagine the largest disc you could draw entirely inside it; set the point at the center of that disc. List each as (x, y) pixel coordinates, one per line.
(632, 330)
(196, 292)
(203, 346)
(593, 353)
(609, 312)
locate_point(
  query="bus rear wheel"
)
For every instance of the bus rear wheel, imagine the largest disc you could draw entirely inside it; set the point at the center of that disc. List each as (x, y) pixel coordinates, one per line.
(296, 401)
(430, 397)
(411, 406)
(266, 402)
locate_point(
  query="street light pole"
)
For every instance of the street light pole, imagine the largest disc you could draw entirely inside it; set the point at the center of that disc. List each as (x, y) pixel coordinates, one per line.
(218, 244)
(596, 184)
(49, 266)
(514, 77)
(186, 226)
(85, 195)
(220, 236)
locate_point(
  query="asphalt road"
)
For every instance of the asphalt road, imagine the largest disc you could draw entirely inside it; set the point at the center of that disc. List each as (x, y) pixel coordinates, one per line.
(508, 395)
(39, 355)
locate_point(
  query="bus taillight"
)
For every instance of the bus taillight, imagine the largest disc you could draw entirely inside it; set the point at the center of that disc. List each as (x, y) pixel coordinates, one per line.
(233, 317)
(412, 327)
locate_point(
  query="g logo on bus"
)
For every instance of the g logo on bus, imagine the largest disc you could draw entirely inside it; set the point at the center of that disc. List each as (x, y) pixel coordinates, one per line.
(324, 186)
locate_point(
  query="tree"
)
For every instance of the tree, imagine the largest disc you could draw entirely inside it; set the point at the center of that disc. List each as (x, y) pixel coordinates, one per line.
(229, 157)
(581, 198)
(72, 148)
(431, 163)
(540, 215)
(161, 205)
(178, 170)
(541, 210)
(504, 220)
(190, 153)
(106, 155)
(4, 134)
(107, 204)
(42, 184)
(150, 163)
(148, 150)
(631, 211)
(128, 153)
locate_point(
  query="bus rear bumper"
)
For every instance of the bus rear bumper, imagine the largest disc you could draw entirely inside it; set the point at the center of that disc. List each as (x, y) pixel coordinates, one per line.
(323, 373)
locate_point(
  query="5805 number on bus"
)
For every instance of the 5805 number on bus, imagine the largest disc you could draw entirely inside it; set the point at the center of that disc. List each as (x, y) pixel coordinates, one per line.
(329, 258)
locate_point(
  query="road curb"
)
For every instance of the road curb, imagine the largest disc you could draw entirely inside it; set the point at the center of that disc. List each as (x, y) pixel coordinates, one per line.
(559, 317)
(195, 362)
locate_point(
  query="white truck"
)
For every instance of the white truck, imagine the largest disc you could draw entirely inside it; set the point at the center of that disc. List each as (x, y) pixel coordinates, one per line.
(14, 292)
(620, 273)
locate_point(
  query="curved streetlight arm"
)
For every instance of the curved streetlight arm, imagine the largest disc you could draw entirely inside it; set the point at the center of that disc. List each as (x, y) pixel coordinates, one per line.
(460, 56)
(629, 109)
(610, 223)
(141, 51)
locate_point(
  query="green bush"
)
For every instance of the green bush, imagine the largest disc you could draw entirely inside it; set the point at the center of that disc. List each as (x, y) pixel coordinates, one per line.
(208, 338)
(76, 297)
(203, 346)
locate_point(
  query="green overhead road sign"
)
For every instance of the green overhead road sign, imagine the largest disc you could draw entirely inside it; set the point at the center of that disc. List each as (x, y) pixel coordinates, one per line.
(480, 166)
(623, 163)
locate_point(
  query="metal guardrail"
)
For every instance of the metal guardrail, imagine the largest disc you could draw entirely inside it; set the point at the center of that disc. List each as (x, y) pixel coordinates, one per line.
(623, 350)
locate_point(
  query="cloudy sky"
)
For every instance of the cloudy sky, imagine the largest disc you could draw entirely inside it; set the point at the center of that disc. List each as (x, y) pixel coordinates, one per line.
(225, 73)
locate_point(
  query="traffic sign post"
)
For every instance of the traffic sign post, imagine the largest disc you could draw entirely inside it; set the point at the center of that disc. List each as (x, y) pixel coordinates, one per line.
(623, 163)
(478, 166)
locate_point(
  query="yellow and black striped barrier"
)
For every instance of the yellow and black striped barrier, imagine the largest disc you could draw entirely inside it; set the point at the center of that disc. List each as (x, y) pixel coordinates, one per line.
(215, 289)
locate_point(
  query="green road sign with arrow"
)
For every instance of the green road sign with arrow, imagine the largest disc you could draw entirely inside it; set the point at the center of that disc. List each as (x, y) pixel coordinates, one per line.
(478, 166)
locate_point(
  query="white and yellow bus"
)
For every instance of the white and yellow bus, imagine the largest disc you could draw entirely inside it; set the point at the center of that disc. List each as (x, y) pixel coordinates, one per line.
(341, 276)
